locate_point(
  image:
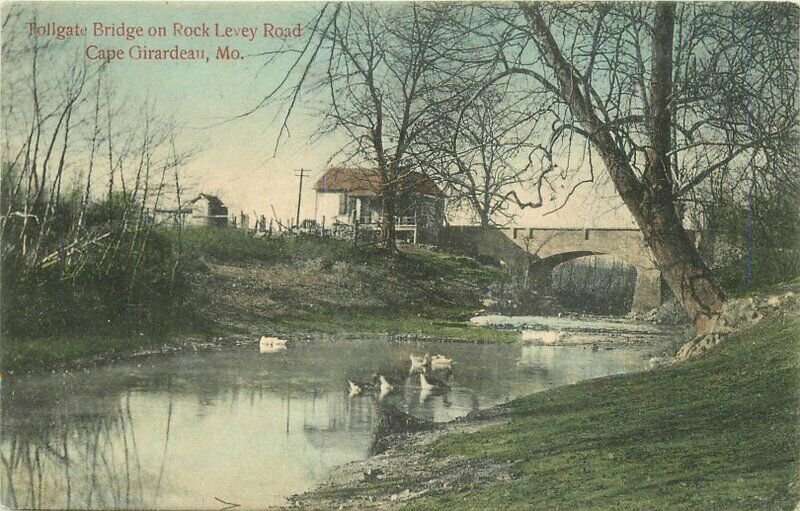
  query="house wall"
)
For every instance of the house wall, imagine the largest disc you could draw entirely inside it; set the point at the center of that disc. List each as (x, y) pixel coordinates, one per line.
(204, 214)
(328, 207)
(199, 214)
(430, 214)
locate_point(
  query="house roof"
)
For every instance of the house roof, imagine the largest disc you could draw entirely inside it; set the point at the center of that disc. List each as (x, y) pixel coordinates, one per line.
(213, 200)
(366, 182)
(214, 203)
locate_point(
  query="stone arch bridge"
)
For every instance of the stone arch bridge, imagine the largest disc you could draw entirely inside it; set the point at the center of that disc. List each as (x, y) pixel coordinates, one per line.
(538, 250)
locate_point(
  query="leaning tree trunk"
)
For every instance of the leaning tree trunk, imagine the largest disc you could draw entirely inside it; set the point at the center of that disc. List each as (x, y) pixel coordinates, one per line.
(679, 261)
(677, 256)
(650, 198)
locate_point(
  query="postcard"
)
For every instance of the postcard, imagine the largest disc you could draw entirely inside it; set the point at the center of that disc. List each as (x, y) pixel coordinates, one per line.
(423, 255)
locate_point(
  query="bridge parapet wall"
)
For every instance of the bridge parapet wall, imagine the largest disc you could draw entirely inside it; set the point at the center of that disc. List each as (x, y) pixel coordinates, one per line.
(541, 249)
(625, 244)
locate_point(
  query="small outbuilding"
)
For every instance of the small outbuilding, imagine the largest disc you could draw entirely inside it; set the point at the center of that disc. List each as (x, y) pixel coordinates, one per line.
(203, 210)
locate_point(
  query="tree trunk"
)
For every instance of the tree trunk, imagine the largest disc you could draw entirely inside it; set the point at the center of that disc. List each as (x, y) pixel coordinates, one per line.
(388, 240)
(679, 261)
(651, 199)
(484, 218)
(676, 255)
(485, 206)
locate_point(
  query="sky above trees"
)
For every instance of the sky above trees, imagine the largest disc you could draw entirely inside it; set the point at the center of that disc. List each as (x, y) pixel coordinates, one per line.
(235, 157)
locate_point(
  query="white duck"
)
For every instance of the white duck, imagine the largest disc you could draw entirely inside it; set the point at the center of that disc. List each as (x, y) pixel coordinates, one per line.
(354, 389)
(418, 363)
(271, 344)
(272, 341)
(429, 383)
(386, 387)
(358, 387)
(441, 362)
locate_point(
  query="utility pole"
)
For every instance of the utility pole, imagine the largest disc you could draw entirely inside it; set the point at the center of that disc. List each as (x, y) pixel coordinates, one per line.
(299, 173)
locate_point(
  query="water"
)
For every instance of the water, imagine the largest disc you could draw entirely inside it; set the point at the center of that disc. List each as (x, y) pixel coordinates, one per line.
(193, 430)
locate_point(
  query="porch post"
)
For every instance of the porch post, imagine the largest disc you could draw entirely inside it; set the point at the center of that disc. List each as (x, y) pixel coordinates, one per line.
(416, 207)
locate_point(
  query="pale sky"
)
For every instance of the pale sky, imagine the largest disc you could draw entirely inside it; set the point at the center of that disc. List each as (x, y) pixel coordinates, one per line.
(235, 161)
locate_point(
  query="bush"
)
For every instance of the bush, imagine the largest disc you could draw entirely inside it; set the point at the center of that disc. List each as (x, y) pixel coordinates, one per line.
(129, 284)
(773, 230)
(237, 245)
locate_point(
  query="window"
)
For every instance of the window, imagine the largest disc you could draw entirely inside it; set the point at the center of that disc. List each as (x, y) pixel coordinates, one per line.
(343, 204)
(366, 211)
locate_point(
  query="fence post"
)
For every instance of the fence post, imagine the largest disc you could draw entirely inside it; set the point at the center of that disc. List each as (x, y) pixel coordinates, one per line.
(355, 232)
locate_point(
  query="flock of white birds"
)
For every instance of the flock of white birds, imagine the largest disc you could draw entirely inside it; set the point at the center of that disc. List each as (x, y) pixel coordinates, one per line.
(425, 365)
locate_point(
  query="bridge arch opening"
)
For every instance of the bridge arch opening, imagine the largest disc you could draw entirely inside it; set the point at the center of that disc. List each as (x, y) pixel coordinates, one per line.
(593, 283)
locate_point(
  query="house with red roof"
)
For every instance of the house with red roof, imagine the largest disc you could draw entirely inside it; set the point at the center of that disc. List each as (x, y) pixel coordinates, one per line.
(350, 196)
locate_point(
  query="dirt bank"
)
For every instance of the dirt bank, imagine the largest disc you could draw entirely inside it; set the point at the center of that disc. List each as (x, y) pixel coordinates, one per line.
(253, 296)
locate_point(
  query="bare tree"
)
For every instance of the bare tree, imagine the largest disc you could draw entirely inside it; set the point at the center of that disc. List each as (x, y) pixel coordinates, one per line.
(625, 80)
(378, 69)
(62, 116)
(483, 153)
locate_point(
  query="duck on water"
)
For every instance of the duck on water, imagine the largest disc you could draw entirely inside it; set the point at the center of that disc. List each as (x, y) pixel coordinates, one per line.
(271, 344)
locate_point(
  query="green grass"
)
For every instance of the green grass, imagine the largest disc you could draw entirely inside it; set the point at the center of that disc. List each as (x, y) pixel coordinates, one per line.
(441, 265)
(47, 352)
(434, 307)
(716, 433)
(792, 284)
(237, 245)
(435, 323)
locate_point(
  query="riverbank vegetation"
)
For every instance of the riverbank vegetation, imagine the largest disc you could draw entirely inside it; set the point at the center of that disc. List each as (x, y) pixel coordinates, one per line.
(753, 248)
(83, 170)
(305, 284)
(211, 281)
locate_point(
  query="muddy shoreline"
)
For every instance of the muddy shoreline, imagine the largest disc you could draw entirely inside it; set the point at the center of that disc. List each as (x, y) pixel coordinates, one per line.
(656, 343)
(368, 484)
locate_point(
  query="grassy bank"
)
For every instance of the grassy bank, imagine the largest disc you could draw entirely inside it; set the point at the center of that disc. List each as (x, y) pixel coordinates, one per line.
(718, 432)
(51, 352)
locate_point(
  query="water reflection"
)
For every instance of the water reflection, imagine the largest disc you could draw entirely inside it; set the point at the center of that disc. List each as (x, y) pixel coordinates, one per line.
(236, 426)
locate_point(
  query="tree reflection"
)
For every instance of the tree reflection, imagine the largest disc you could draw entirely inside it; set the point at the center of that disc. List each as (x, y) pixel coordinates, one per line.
(90, 461)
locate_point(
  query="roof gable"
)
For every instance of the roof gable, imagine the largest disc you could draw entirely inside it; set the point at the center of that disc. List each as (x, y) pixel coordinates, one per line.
(366, 182)
(213, 200)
